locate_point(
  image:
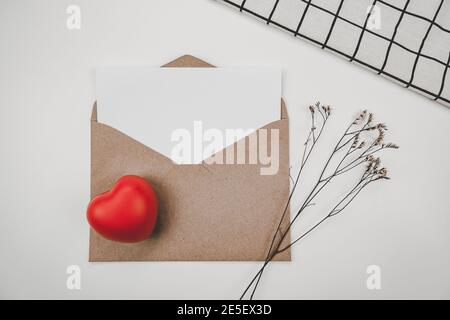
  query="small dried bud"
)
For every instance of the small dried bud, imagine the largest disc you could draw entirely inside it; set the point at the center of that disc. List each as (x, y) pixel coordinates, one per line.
(311, 108)
(379, 140)
(355, 142)
(327, 110)
(391, 146)
(376, 163)
(370, 119)
(360, 117)
(361, 145)
(364, 115)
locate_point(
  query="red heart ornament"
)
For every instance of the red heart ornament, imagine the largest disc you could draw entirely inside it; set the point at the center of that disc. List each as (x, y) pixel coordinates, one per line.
(127, 212)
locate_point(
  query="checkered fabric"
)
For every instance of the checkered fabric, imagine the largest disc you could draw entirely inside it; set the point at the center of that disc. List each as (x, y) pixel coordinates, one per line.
(407, 41)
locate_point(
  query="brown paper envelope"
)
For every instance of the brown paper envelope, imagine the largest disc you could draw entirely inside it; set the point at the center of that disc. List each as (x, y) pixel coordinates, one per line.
(218, 212)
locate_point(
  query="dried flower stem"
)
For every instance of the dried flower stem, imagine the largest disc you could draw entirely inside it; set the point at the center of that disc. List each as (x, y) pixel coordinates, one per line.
(353, 140)
(324, 113)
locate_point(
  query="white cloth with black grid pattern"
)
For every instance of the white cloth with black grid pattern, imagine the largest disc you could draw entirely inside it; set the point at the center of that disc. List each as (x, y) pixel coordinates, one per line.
(407, 41)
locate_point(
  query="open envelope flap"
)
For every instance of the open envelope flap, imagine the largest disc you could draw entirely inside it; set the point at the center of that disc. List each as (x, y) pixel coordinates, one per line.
(188, 61)
(217, 212)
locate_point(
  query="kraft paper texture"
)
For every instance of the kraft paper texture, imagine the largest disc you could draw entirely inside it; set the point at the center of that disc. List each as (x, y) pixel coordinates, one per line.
(218, 212)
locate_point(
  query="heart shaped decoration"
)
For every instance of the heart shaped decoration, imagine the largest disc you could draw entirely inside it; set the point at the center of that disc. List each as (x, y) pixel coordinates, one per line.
(127, 212)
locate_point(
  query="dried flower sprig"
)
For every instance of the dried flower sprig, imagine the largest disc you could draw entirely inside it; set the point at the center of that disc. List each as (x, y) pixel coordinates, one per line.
(352, 142)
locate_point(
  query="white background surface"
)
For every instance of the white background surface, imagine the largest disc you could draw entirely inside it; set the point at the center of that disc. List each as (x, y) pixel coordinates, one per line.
(46, 94)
